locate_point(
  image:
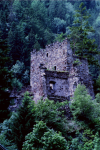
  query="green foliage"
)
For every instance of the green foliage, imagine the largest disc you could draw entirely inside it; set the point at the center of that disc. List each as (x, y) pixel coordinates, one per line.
(21, 76)
(96, 79)
(75, 143)
(82, 102)
(97, 24)
(4, 12)
(80, 43)
(37, 46)
(84, 108)
(6, 132)
(50, 125)
(77, 62)
(53, 140)
(6, 143)
(97, 99)
(5, 80)
(16, 84)
(25, 77)
(87, 139)
(69, 15)
(59, 25)
(98, 83)
(60, 37)
(33, 139)
(52, 114)
(48, 36)
(96, 142)
(22, 122)
(17, 71)
(18, 68)
(44, 138)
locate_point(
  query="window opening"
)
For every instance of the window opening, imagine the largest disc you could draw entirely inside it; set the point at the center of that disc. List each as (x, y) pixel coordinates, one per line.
(52, 85)
(41, 65)
(47, 54)
(54, 67)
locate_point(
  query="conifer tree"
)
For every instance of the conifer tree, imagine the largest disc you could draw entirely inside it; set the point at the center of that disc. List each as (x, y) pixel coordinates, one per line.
(5, 80)
(81, 44)
(22, 123)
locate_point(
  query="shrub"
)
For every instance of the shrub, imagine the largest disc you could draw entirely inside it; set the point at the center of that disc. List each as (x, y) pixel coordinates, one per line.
(50, 112)
(97, 99)
(96, 142)
(82, 103)
(84, 108)
(54, 141)
(20, 74)
(16, 84)
(44, 138)
(33, 139)
(22, 123)
(98, 82)
(5, 132)
(18, 69)
(25, 78)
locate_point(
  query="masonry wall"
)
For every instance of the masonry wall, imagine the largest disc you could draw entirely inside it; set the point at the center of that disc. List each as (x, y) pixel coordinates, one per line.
(79, 74)
(65, 83)
(83, 74)
(55, 66)
(54, 56)
(59, 81)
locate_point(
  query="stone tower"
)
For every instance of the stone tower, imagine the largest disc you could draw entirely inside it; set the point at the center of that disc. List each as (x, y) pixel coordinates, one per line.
(55, 72)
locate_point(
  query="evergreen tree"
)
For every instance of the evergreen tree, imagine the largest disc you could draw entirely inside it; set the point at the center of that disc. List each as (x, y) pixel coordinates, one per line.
(22, 123)
(5, 80)
(82, 103)
(85, 109)
(81, 44)
(4, 11)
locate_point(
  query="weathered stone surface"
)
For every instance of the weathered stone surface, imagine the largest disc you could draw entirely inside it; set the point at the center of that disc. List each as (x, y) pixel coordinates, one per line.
(17, 97)
(55, 72)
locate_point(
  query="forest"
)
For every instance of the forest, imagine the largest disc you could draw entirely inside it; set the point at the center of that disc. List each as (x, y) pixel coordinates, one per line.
(29, 25)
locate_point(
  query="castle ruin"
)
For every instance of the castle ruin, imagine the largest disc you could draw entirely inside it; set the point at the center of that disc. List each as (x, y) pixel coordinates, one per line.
(56, 72)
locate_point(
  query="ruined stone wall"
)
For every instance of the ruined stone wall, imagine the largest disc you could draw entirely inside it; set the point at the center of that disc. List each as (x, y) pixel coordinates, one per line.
(60, 86)
(56, 67)
(83, 74)
(54, 56)
(79, 74)
(36, 77)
